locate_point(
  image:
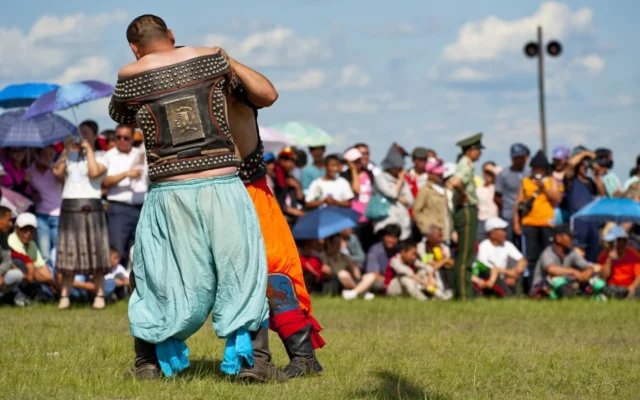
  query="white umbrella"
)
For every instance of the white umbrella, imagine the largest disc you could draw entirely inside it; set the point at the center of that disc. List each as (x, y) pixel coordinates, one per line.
(273, 140)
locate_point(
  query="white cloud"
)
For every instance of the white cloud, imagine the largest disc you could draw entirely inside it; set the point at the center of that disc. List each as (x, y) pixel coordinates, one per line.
(492, 37)
(311, 79)
(401, 106)
(623, 100)
(352, 76)
(467, 74)
(592, 63)
(73, 28)
(272, 48)
(369, 104)
(98, 68)
(361, 105)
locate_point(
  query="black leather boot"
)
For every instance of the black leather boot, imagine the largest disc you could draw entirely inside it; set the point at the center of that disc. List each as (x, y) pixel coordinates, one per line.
(303, 358)
(146, 366)
(263, 369)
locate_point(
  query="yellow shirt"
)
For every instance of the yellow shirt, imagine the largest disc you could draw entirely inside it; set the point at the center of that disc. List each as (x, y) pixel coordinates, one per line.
(31, 250)
(542, 213)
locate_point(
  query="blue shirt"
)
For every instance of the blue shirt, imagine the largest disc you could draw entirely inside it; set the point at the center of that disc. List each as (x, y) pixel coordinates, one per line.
(507, 185)
(378, 259)
(309, 174)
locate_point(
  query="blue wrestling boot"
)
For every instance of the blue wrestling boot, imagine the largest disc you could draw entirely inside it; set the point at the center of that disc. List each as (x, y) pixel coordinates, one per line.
(263, 369)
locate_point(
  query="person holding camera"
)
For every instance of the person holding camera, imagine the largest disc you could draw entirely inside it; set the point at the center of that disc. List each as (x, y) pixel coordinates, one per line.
(534, 214)
(581, 188)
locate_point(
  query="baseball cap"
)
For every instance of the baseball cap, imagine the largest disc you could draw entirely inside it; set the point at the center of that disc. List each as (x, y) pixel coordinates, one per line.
(268, 157)
(560, 153)
(26, 219)
(449, 170)
(352, 154)
(287, 153)
(420, 153)
(434, 166)
(616, 232)
(495, 223)
(519, 150)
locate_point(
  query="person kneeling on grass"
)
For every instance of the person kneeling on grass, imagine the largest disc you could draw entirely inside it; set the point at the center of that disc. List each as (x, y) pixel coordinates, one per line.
(620, 266)
(376, 265)
(433, 252)
(406, 275)
(562, 272)
(27, 258)
(500, 264)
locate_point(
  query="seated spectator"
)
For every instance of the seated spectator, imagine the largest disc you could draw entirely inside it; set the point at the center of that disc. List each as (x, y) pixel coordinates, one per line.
(561, 272)
(351, 247)
(620, 266)
(345, 273)
(10, 275)
(433, 252)
(500, 264)
(376, 265)
(116, 281)
(331, 189)
(406, 275)
(315, 273)
(27, 257)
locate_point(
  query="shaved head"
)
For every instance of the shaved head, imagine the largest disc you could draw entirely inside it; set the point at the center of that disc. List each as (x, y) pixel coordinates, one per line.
(146, 29)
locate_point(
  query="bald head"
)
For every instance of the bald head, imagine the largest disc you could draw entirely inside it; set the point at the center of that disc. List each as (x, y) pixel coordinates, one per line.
(147, 29)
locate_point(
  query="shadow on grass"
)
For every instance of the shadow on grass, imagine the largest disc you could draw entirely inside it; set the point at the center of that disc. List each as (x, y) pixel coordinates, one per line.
(393, 386)
(204, 369)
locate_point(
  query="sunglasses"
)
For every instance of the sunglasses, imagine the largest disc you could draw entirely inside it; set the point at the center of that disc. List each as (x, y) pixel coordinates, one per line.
(125, 138)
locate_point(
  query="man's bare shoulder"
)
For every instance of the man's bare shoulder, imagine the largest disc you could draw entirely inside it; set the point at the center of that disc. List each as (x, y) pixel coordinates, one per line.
(159, 60)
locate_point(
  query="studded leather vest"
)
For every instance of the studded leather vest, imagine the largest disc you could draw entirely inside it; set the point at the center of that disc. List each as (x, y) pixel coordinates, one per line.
(181, 110)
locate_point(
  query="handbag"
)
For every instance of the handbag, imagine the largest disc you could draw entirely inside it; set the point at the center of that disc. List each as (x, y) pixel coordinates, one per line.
(377, 208)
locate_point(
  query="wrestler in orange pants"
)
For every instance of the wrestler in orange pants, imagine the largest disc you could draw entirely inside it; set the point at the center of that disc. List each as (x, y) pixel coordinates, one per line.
(289, 301)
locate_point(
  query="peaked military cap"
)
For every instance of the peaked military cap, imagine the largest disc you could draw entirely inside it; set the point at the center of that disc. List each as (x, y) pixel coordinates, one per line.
(473, 141)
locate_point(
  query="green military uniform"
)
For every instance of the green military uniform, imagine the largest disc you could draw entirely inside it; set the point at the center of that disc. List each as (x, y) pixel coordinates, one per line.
(465, 220)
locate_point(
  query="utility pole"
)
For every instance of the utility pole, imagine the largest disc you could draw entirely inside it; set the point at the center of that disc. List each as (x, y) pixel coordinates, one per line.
(535, 49)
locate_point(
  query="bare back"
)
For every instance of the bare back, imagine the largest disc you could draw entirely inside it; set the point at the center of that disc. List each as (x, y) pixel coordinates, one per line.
(163, 59)
(244, 126)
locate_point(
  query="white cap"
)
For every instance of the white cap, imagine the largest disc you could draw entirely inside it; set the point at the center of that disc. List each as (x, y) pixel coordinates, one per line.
(26, 219)
(449, 170)
(495, 223)
(352, 154)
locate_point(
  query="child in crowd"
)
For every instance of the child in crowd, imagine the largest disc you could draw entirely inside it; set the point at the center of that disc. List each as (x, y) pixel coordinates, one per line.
(315, 273)
(406, 275)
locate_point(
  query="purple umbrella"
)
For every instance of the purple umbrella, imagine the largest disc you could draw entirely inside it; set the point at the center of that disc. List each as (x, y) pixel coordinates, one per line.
(68, 96)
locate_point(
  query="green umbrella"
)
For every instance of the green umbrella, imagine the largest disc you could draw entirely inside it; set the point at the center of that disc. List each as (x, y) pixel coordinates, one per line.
(303, 134)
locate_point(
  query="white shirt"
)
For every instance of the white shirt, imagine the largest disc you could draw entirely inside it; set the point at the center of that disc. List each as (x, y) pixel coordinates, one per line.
(77, 184)
(320, 189)
(130, 191)
(119, 270)
(501, 257)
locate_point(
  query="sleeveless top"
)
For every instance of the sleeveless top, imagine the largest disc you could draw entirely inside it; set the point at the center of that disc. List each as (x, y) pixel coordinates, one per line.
(181, 109)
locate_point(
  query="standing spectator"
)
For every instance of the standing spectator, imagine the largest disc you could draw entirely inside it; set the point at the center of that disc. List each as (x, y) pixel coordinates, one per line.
(487, 208)
(560, 270)
(10, 276)
(270, 162)
(611, 182)
(505, 262)
(417, 176)
(392, 184)
(89, 128)
(406, 275)
(634, 176)
(126, 184)
(366, 161)
(431, 206)
(534, 215)
(110, 137)
(47, 195)
(560, 158)
(331, 189)
(620, 265)
(362, 186)
(15, 169)
(376, 265)
(83, 238)
(581, 190)
(288, 190)
(26, 256)
(315, 170)
(508, 185)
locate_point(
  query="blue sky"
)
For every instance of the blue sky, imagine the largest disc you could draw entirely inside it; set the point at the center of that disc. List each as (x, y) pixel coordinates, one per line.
(415, 72)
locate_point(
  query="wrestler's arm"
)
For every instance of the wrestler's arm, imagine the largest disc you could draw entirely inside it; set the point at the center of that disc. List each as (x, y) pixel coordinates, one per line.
(260, 90)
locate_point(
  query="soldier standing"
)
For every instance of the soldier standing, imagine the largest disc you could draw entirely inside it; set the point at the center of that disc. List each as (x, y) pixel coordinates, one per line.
(465, 213)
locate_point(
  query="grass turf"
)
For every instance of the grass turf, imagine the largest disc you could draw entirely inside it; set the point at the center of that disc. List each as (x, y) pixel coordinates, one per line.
(385, 349)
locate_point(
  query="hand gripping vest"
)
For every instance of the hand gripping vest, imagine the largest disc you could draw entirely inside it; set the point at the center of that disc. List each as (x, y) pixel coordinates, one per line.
(181, 110)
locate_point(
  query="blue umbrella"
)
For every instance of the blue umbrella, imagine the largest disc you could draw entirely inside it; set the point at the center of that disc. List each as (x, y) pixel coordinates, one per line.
(324, 222)
(36, 132)
(606, 210)
(68, 96)
(22, 95)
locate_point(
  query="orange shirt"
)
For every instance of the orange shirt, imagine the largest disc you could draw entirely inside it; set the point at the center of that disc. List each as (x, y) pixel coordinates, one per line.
(625, 269)
(542, 213)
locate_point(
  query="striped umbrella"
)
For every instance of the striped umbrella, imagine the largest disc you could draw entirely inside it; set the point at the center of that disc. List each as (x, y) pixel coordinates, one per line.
(304, 134)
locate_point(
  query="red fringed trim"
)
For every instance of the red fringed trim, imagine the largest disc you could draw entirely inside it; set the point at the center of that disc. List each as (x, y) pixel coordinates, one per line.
(290, 322)
(20, 256)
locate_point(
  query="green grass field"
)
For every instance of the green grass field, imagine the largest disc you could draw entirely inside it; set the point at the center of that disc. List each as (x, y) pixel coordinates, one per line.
(384, 349)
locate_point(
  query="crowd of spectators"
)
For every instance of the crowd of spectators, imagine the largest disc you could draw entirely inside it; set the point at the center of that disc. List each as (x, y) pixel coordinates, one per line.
(525, 246)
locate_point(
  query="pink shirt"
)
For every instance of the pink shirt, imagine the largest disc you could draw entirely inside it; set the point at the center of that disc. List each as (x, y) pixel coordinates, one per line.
(487, 208)
(359, 204)
(50, 191)
(13, 177)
